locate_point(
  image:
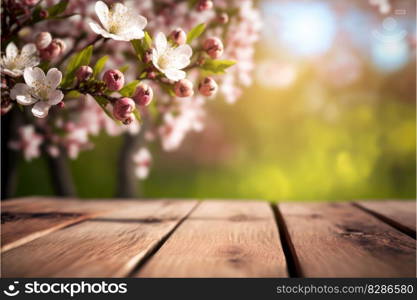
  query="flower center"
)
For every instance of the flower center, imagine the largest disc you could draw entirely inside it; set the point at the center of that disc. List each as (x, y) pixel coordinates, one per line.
(163, 61)
(40, 90)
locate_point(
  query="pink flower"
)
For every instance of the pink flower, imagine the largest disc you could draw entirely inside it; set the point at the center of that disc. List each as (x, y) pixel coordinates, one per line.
(183, 88)
(214, 47)
(122, 110)
(143, 95)
(29, 142)
(43, 40)
(53, 50)
(207, 87)
(203, 5)
(84, 73)
(142, 160)
(178, 36)
(114, 79)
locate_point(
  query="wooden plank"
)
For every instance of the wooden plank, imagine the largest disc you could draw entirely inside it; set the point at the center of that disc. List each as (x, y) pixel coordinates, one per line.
(222, 239)
(400, 214)
(340, 240)
(26, 219)
(107, 246)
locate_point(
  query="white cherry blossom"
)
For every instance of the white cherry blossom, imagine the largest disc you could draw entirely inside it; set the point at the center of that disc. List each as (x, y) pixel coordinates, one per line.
(29, 142)
(170, 60)
(119, 23)
(14, 63)
(142, 160)
(39, 90)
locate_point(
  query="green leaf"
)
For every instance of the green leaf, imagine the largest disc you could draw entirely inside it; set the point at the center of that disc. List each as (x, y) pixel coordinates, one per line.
(129, 89)
(137, 45)
(195, 32)
(137, 115)
(147, 40)
(192, 3)
(77, 60)
(73, 94)
(103, 102)
(124, 68)
(217, 66)
(63, 17)
(57, 8)
(98, 67)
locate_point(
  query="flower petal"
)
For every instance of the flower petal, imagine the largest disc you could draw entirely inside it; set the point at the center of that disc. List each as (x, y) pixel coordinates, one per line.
(119, 9)
(54, 97)
(155, 58)
(53, 78)
(21, 93)
(97, 29)
(11, 50)
(29, 50)
(183, 50)
(25, 99)
(33, 75)
(132, 34)
(33, 61)
(12, 73)
(141, 22)
(102, 12)
(135, 21)
(40, 109)
(161, 42)
(175, 74)
(180, 62)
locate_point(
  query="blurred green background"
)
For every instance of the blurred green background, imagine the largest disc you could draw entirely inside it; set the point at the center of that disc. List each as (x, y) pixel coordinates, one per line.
(330, 116)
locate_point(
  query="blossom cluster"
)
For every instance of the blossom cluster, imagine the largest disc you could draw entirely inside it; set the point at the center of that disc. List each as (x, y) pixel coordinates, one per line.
(75, 68)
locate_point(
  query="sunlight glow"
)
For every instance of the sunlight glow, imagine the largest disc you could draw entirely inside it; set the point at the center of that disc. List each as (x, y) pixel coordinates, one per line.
(306, 28)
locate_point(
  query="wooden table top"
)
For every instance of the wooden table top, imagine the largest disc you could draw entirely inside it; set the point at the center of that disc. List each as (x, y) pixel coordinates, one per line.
(50, 237)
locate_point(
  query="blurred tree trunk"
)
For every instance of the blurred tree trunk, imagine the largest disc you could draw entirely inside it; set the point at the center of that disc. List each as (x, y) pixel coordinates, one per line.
(10, 123)
(127, 182)
(60, 173)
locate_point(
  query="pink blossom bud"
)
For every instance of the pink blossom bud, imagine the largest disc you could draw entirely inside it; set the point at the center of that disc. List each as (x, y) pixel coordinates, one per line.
(129, 119)
(184, 88)
(143, 95)
(204, 5)
(43, 40)
(50, 52)
(114, 79)
(151, 75)
(207, 87)
(43, 14)
(147, 57)
(30, 2)
(178, 36)
(61, 104)
(214, 47)
(123, 108)
(83, 73)
(61, 44)
(223, 18)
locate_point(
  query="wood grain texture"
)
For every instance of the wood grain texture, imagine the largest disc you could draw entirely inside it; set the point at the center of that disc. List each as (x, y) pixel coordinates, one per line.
(340, 240)
(222, 239)
(400, 214)
(24, 220)
(107, 246)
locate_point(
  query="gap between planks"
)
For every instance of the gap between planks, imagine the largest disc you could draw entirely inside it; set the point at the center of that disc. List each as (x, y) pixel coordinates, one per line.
(394, 214)
(341, 240)
(221, 239)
